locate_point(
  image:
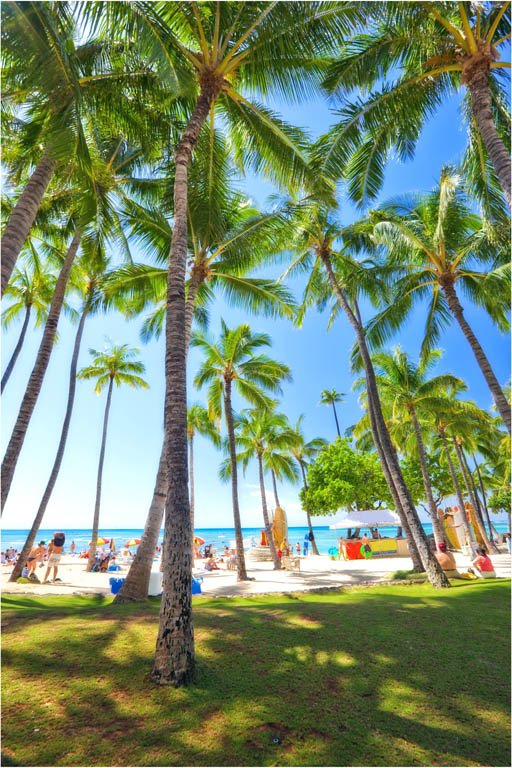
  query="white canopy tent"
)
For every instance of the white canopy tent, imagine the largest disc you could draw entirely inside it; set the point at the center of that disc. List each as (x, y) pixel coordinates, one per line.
(368, 518)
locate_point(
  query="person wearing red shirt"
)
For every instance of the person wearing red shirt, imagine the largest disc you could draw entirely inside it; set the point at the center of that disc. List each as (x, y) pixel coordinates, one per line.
(483, 565)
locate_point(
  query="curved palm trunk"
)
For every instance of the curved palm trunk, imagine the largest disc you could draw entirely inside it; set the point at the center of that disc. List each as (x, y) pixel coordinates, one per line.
(274, 484)
(432, 568)
(436, 527)
(469, 489)
(311, 534)
(96, 518)
(38, 372)
(29, 543)
(242, 571)
(136, 583)
(483, 363)
(457, 488)
(268, 529)
(336, 417)
(478, 85)
(417, 564)
(484, 500)
(23, 216)
(17, 349)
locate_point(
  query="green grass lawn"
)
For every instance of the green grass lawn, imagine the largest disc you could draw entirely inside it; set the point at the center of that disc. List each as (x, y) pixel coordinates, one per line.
(400, 675)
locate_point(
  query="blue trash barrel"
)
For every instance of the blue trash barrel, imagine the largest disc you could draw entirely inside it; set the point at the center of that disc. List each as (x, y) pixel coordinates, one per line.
(196, 585)
(115, 584)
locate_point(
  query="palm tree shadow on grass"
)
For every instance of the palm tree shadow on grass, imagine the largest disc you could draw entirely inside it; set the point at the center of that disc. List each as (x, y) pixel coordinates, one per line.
(365, 681)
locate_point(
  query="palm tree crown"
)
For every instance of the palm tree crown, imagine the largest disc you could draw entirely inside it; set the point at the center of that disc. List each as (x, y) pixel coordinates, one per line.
(117, 365)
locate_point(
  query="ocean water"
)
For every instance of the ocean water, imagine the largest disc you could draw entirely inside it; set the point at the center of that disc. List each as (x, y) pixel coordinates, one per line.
(217, 537)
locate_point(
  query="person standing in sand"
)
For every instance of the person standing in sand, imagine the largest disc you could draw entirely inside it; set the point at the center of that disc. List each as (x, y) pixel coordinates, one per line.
(54, 555)
(35, 554)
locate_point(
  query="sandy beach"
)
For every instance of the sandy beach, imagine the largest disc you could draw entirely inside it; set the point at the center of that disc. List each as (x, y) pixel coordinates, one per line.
(315, 573)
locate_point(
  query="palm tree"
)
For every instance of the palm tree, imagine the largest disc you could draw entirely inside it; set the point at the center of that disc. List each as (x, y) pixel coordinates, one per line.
(115, 365)
(31, 290)
(230, 363)
(436, 48)
(258, 432)
(54, 89)
(198, 422)
(226, 237)
(331, 397)
(316, 232)
(94, 200)
(408, 391)
(303, 452)
(87, 280)
(434, 242)
(220, 53)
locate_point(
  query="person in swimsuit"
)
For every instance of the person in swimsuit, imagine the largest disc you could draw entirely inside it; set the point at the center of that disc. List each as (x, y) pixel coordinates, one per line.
(55, 548)
(35, 554)
(447, 561)
(482, 564)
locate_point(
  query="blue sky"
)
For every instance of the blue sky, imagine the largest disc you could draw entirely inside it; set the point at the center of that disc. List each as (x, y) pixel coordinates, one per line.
(318, 360)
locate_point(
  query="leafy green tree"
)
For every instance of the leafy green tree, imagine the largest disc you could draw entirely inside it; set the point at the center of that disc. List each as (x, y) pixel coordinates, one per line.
(229, 363)
(433, 243)
(30, 290)
(343, 478)
(432, 49)
(331, 397)
(116, 366)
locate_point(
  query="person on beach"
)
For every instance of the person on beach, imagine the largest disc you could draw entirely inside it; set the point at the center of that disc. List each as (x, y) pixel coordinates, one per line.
(447, 561)
(365, 543)
(341, 551)
(73, 546)
(32, 559)
(55, 548)
(210, 564)
(482, 564)
(297, 548)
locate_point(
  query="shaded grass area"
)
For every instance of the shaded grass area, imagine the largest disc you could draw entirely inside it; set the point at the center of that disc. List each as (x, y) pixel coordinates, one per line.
(394, 675)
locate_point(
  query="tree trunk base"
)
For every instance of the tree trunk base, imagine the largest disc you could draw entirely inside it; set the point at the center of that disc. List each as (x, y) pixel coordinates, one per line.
(119, 598)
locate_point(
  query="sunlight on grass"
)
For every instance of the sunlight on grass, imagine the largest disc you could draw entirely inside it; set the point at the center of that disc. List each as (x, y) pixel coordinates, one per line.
(372, 689)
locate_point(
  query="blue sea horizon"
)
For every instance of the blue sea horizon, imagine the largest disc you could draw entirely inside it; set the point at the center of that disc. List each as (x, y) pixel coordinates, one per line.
(217, 537)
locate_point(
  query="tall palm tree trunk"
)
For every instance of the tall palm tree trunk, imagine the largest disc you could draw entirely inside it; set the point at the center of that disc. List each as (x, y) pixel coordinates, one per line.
(38, 372)
(268, 529)
(274, 484)
(469, 489)
(136, 583)
(417, 564)
(484, 499)
(457, 489)
(478, 85)
(242, 571)
(436, 526)
(432, 568)
(60, 453)
(174, 655)
(483, 363)
(23, 215)
(96, 518)
(17, 349)
(336, 417)
(311, 534)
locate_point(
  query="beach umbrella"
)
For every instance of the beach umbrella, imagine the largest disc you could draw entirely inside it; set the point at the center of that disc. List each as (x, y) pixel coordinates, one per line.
(199, 541)
(132, 543)
(100, 542)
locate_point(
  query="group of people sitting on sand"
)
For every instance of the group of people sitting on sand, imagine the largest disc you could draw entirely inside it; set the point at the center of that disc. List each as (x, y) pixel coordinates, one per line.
(481, 565)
